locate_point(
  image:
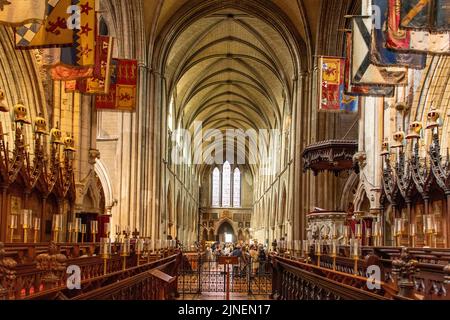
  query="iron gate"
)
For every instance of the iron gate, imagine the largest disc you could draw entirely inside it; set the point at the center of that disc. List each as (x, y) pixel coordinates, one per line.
(200, 275)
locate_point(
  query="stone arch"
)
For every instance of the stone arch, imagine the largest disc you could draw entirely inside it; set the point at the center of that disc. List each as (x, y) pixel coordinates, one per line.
(102, 174)
(91, 200)
(359, 196)
(348, 194)
(222, 221)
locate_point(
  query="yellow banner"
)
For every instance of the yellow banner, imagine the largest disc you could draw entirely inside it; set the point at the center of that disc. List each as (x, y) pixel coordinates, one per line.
(85, 40)
(53, 32)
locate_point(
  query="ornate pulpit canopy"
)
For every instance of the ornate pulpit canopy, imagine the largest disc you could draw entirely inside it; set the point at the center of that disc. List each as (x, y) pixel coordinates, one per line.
(330, 155)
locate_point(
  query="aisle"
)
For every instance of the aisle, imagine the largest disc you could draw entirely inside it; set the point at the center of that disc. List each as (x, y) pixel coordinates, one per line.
(221, 296)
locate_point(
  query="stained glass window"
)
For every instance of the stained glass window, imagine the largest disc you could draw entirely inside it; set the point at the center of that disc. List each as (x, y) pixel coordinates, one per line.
(237, 188)
(226, 185)
(216, 188)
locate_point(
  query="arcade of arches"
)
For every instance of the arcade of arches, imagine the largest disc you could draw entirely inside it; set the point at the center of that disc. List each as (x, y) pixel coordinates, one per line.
(206, 68)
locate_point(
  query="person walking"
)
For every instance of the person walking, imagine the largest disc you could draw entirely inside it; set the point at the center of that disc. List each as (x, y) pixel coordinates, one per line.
(262, 259)
(254, 255)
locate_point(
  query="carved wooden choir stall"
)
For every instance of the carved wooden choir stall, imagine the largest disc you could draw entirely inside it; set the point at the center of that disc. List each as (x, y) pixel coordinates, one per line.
(36, 179)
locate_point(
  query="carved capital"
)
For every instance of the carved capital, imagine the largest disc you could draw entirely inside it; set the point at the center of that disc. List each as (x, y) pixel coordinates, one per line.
(360, 158)
(94, 154)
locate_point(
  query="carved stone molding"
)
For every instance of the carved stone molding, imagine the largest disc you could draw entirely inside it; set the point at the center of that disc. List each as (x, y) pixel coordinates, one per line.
(94, 154)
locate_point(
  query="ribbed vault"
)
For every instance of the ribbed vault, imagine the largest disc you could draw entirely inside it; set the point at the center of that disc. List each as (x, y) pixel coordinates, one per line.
(229, 69)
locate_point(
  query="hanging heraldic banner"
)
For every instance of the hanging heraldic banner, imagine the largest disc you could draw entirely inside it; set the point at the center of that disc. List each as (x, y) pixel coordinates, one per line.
(331, 78)
(331, 86)
(361, 90)
(416, 13)
(99, 83)
(363, 70)
(15, 12)
(425, 15)
(77, 61)
(398, 38)
(384, 56)
(52, 32)
(122, 91)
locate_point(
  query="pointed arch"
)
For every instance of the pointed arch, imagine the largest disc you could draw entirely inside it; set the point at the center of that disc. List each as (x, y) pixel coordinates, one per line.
(226, 184)
(237, 187)
(215, 193)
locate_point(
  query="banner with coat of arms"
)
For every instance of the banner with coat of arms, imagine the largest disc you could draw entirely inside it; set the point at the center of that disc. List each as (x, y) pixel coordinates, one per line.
(361, 90)
(123, 87)
(99, 83)
(17, 12)
(363, 71)
(401, 39)
(331, 77)
(331, 86)
(384, 56)
(52, 32)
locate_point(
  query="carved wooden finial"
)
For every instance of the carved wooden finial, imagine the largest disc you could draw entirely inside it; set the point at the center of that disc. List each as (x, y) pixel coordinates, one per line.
(405, 267)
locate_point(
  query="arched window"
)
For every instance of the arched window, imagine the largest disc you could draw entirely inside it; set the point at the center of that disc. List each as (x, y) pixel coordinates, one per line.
(237, 188)
(226, 185)
(216, 188)
(170, 114)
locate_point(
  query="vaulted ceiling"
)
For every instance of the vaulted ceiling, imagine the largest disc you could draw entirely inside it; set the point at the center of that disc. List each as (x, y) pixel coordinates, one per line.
(230, 68)
(226, 73)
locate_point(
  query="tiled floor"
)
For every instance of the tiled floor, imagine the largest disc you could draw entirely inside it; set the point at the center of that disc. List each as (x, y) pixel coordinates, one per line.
(221, 296)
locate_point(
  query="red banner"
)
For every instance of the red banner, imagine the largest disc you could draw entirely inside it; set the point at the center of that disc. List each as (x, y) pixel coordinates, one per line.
(99, 83)
(396, 38)
(331, 81)
(122, 95)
